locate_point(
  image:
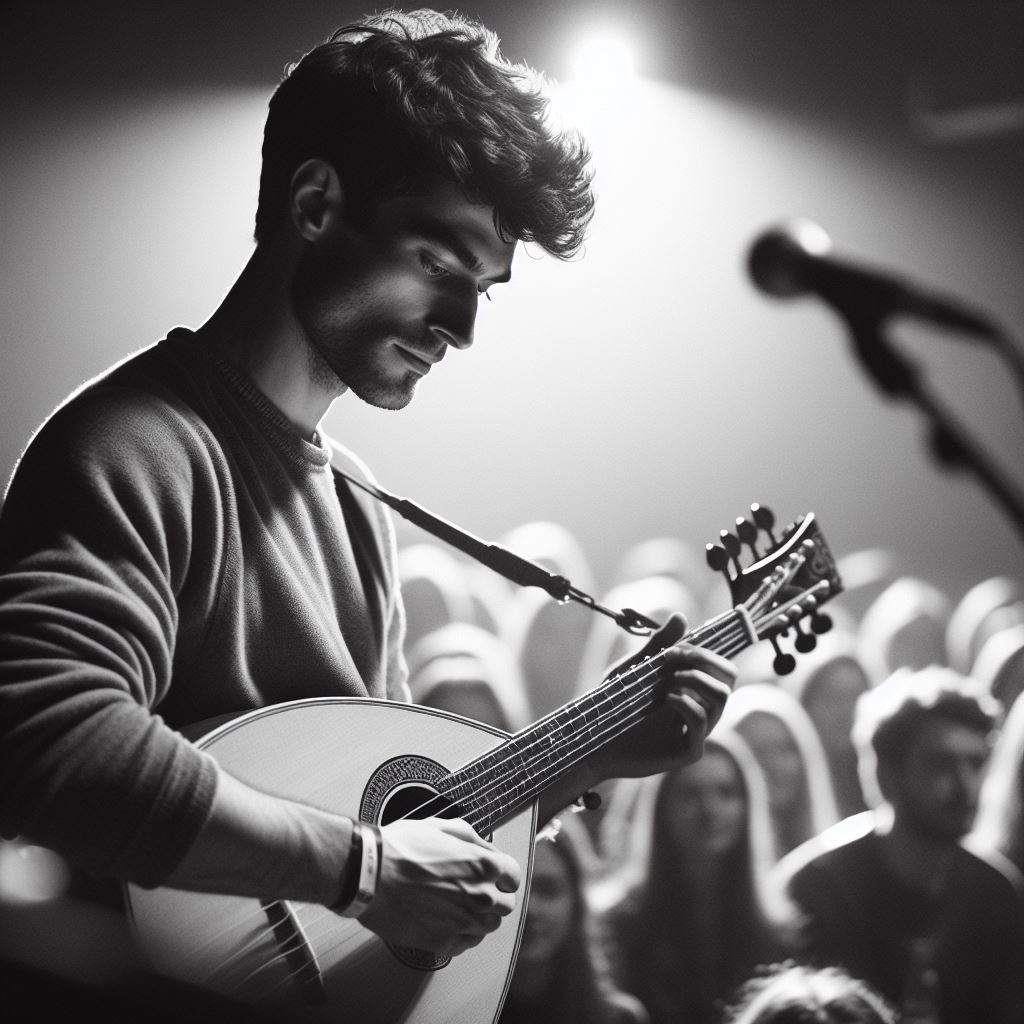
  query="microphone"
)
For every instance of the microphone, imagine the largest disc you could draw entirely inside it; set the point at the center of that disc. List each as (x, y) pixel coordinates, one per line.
(794, 258)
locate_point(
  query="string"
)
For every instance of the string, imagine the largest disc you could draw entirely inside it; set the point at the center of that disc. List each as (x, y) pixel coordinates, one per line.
(523, 752)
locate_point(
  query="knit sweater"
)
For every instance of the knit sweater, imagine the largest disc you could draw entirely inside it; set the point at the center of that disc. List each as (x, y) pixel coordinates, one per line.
(172, 550)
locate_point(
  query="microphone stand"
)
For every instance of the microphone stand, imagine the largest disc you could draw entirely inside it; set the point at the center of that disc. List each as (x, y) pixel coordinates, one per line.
(897, 377)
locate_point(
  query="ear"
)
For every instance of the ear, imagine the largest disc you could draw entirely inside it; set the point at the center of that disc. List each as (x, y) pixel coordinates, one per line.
(315, 199)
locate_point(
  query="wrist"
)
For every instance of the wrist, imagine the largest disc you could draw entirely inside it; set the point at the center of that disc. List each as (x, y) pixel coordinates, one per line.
(358, 884)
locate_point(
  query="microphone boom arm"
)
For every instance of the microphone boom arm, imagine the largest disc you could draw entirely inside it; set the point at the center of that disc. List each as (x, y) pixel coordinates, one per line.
(897, 377)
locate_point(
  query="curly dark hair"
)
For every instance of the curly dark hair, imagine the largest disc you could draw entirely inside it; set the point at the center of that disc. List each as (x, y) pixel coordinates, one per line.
(401, 100)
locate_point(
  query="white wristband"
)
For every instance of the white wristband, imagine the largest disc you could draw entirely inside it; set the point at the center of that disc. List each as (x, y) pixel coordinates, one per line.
(369, 869)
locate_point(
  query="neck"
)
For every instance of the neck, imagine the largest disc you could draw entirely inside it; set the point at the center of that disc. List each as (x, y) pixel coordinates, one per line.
(255, 328)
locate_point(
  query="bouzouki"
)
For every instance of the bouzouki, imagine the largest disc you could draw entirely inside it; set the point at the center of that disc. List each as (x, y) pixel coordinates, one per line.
(381, 761)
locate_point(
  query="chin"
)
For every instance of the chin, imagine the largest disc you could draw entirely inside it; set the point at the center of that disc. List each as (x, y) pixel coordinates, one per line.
(391, 398)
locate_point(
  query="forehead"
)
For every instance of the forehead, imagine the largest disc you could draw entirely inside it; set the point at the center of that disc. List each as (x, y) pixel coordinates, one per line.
(943, 736)
(444, 214)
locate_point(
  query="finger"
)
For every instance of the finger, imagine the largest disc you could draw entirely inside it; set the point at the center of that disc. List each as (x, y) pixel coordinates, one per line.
(695, 725)
(492, 901)
(503, 870)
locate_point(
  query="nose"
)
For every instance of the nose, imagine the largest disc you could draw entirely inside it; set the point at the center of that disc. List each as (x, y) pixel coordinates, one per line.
(455, 319)
(455, 338)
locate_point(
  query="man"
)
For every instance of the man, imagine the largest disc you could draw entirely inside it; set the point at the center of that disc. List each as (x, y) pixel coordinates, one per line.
(175, 547)
(891, 895)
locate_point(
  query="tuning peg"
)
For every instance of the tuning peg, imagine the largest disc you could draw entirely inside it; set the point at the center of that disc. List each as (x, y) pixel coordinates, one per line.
(764, 518)
(748, 533)
(804, 642)
(732, 545)
(783, 663)
(717, 557)
(821, 623)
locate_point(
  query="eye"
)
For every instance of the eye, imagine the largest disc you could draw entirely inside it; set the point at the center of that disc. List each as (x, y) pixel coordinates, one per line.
(431, 267)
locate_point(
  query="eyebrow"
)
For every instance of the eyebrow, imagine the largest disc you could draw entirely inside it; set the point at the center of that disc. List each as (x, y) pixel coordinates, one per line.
(437, 230)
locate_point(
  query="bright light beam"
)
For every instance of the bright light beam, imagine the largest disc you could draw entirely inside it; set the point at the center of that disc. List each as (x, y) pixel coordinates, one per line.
(604, 60)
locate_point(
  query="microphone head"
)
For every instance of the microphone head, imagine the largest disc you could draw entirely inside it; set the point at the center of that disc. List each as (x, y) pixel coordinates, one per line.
(778, 259)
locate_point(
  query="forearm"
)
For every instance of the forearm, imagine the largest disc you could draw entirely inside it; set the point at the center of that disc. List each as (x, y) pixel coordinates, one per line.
(266, 847)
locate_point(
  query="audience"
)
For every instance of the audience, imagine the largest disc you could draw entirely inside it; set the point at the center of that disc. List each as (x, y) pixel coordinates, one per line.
(904, 627)
(999, 827)
(987, 607)
(827, 682)
(792, 993)
(667, 556)
(786, 745)
(1000, 664)
(560, 975)
(464, 668)
(435, 590)
(893, 895)
(689, 914)
(850, 825)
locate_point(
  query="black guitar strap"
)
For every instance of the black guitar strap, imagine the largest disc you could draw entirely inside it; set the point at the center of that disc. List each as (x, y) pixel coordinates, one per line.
(508, 564)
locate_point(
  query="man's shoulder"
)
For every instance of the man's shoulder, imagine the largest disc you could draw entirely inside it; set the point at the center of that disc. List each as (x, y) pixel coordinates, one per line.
(847, 841)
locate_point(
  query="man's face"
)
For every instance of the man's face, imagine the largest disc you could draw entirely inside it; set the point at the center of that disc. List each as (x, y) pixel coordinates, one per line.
(935, 791)
(381, 304)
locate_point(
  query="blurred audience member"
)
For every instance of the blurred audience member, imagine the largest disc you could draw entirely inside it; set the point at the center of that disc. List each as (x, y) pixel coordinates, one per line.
(547, 636)
(985, 609)
(607, 642)
(466, 669)
(435, 590)
(786, 745)
(827, 682)
(554, 547)
(673, 557)
(865, 574)
(547, 639)
(792, 993)
(892, 895)
(688, 916)
(560, 974)
(904, 627)
(489, 592)
(999, 826)
(1000, 664)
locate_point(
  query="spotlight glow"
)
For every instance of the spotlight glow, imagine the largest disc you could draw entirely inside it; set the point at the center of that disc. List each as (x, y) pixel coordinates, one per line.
(604, 59)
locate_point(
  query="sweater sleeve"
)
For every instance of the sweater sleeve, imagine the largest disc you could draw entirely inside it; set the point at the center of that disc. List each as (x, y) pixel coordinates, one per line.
(95, 543)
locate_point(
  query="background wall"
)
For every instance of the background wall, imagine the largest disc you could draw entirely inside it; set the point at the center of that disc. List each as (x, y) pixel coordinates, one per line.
(645, 388)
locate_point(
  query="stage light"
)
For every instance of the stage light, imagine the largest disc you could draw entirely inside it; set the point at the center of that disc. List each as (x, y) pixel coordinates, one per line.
(604, 59)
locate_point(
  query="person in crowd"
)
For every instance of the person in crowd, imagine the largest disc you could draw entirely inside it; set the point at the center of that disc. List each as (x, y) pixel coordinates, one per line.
(689, 914)
(674, 557)
(989, 606)
(827, 682)
(894, 896)
(435, 590)
(180, 540)
(904, 627)
(1000, 664)
(560, 973)
(466, 669)
(999, 827)
(786, 745)
(792, 993)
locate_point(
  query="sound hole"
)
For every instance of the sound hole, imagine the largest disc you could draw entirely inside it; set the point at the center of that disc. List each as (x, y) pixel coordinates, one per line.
(404, 787)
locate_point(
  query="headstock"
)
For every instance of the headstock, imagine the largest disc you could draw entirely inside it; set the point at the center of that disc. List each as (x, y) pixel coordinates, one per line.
(791, 575)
